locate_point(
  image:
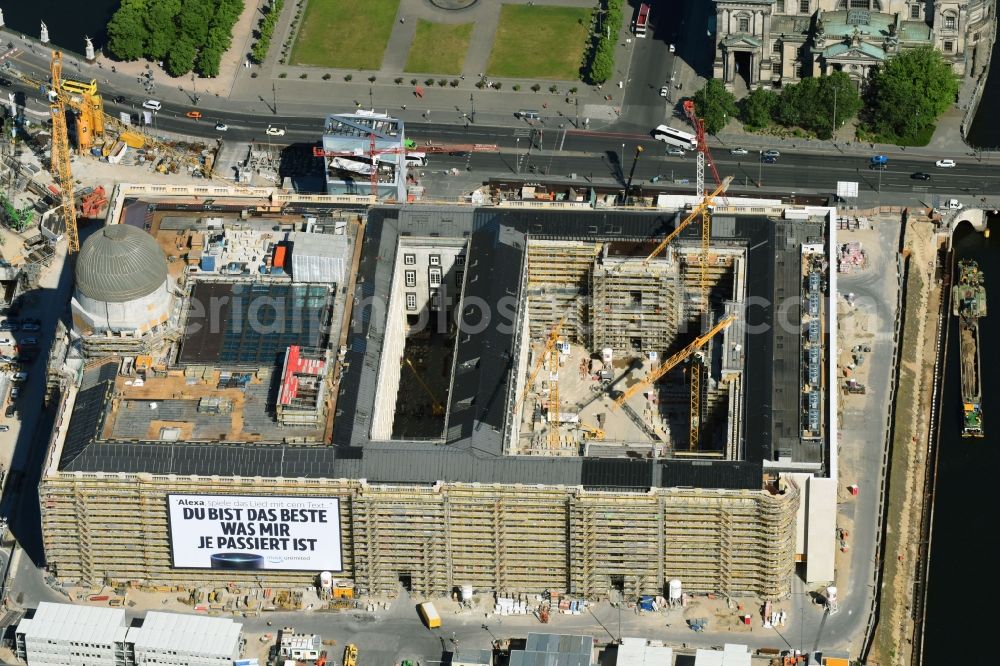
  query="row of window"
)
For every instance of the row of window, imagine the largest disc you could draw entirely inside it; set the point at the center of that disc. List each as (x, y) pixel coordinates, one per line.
(432, 260)
(433, 277)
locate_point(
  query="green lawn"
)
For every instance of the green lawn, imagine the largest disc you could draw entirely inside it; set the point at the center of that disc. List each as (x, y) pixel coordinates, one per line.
(439, 48)
(540, 42)
(349, 34)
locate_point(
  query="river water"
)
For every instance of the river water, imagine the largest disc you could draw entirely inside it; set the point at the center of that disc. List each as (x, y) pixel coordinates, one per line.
(984, 131)
(69, 21)
(960, 610)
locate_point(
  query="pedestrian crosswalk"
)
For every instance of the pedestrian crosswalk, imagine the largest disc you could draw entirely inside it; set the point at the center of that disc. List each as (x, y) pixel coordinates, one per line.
(523, 131)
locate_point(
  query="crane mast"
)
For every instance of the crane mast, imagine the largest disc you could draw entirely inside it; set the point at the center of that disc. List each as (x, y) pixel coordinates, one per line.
(672, 362)
(60, 154)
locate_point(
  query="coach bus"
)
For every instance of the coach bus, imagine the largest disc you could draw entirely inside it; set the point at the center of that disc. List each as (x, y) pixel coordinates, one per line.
(675, 137)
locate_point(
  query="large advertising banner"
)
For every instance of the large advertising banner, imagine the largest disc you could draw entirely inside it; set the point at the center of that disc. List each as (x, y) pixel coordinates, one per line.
(243, 532)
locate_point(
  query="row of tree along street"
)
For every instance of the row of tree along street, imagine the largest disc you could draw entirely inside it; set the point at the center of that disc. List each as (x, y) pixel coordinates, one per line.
(185, 34)
(899, 104)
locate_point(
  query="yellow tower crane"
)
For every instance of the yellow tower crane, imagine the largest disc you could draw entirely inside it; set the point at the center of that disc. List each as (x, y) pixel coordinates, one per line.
(60, 154)
(437, 409)
(548, 350)
(706, 202)
(671, 362)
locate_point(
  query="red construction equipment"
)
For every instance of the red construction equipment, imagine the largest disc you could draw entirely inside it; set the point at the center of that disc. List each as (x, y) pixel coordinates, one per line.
(94, 203)
(374, 152)
(699, 131)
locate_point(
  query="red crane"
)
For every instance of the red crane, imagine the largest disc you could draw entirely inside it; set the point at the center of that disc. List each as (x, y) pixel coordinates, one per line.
(699, 131)
(374, 152)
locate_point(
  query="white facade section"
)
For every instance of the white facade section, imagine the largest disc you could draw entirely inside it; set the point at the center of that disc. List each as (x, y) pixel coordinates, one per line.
(426, 285)
(135, 317)
(172, 639)
(68, 635)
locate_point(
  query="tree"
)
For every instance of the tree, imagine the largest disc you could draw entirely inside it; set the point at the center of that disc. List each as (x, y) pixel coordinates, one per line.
(841, 96)
(209, 59)
(757, 108)
(181, 58)
(127, 33)
(909, 92)
(715, 105)
(160, 23)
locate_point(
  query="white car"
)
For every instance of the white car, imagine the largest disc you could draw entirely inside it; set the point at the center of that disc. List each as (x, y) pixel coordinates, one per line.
(738, 151)
(20, 377)
(945, 164)
(665, 91)
(673, 48)
(676, 152)
(275, 131)
(221, 127)
(152, 105)
(954, 204)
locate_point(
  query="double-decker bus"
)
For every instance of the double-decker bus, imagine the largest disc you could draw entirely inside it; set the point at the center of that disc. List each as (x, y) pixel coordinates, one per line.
(675, 137)
(642, 20)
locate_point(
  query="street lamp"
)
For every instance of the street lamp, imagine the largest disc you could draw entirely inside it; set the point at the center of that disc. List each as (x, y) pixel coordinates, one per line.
(760, 167)
(472, 102)
(371, 99)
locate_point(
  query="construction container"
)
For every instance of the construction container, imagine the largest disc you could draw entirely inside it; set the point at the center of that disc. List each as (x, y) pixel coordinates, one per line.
(279, 256)
(429, 615)
(132, 139)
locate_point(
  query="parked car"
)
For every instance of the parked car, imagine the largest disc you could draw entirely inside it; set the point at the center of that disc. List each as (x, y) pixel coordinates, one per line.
(4, 428)
(665, 91)
(15, 393)
(275, 131)
(673, 48)
(954, 204)
(771, 153)
(31, 326)
(27, 342)
(738, 151)
(9, 325)
(20, 376)
(676, 152)
(11, 411)
(920, 175)
(945, 164)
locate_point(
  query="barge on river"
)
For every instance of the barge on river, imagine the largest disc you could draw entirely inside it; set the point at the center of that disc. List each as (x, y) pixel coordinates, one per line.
(968, 303)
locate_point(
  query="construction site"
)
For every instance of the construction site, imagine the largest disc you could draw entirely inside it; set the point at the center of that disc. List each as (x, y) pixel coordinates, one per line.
(399, 371)
(260, 387)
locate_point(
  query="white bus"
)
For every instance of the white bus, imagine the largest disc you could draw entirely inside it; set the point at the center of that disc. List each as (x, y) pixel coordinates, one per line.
(675, 137)
(416, 159)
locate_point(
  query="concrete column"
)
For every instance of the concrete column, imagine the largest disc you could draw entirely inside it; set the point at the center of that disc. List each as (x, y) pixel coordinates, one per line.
(730, 67)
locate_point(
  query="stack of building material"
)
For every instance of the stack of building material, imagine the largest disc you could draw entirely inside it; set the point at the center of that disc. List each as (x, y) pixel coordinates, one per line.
(510, 606)
(851, 257)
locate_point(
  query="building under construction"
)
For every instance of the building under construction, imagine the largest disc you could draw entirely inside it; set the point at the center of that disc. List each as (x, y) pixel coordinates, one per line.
(497, 398)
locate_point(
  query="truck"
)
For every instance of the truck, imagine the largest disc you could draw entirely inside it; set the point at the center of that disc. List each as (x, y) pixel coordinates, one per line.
(429, 615)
